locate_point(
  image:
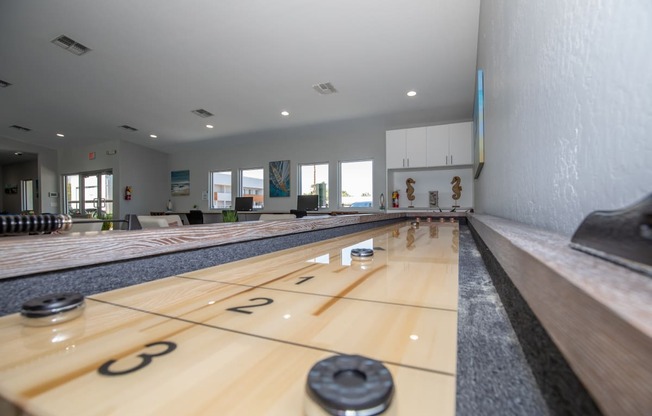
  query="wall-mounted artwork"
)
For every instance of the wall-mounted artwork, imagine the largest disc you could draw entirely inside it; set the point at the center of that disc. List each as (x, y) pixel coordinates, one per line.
(180, 182)
(279, 178)
(11, 189)
(478, 126)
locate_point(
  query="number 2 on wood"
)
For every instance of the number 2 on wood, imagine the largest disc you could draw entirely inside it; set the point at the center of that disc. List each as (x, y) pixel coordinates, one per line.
(243, 309)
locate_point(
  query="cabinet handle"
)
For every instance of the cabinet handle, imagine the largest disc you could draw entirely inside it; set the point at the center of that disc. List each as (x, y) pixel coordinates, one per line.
(451, 159)
(408, 162)
(447, 159)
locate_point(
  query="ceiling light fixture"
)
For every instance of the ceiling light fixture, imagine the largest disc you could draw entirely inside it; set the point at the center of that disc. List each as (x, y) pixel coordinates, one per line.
(153, 136)
(285, 113)
(202, 113)
(411, 93)
(60, 135)
(210, 126)
(324, 88)
(70, 45)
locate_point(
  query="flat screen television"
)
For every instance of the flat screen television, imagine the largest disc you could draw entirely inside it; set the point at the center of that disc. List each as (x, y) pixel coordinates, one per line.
(307, 202)
(244, 203)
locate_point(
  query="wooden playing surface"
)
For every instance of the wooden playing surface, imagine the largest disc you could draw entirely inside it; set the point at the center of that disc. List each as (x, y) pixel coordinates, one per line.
(240, 338)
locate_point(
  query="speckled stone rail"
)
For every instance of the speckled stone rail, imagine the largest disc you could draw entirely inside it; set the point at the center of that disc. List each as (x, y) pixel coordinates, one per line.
(26, 255)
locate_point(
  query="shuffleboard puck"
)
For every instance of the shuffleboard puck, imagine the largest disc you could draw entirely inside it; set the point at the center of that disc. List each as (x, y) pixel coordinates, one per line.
(362, 253)
(52, 309)
(349, 385)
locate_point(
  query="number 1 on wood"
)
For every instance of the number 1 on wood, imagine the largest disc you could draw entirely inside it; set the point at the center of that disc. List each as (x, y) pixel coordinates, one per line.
(303, 279)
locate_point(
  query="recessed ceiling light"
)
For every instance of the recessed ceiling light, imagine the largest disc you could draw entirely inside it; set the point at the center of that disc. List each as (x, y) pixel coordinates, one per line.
(59, 134)
(153, 136)
(411, 93)
(285, 113)
(210, 126)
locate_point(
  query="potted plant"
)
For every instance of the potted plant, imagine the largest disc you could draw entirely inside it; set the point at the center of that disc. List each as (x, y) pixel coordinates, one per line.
(229, 215)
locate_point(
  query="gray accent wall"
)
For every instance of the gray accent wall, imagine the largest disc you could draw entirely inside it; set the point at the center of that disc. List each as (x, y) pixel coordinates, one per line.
(333, 143)
(142, 168)
(568, 93)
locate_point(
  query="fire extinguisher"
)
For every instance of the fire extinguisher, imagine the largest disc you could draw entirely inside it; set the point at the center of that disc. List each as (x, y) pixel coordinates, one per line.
(128, 193)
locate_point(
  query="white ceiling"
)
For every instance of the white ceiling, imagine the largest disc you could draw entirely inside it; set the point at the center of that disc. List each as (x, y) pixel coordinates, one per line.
(153, 61)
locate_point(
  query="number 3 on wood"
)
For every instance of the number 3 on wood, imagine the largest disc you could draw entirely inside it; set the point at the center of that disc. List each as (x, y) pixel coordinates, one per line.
(243, 309)
(146, 359)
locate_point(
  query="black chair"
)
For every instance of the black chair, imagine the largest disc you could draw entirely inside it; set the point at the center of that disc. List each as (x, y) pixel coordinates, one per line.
(195, 216)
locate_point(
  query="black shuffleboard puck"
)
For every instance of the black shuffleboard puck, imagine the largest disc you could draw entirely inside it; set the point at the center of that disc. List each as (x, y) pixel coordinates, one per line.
(361, 253)
(350, 385)
(51, 309)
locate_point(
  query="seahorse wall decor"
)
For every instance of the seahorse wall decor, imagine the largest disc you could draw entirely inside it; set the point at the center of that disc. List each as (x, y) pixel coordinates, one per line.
(410, 189)
(457, 188)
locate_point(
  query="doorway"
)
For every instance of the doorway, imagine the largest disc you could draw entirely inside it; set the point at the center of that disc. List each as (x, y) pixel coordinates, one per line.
(89, 194)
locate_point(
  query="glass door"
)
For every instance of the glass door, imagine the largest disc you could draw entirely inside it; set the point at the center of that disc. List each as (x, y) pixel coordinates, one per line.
(89, 195)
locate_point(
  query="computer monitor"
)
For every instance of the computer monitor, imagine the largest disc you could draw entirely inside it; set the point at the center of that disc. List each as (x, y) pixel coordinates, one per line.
(307, 202)
(244, 203)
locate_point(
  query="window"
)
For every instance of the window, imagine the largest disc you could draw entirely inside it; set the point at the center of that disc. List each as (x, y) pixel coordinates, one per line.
(221, 189)
(252, 184)
(356, 184)
(27, 195)
(313, 180)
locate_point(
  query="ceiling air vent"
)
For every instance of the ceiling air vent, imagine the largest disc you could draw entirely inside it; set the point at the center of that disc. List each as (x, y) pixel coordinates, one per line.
(128, 128)
(21, 128)
(70, 45)
(202, 113)
(325, 89)
(4, 84)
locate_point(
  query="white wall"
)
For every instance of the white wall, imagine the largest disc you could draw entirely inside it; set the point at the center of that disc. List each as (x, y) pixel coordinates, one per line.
(342, 141)
(146, 171)
(568, 93)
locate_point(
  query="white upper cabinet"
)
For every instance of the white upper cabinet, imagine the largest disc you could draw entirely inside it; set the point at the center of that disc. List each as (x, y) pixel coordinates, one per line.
(461, 143)
(395, 148)
(437, 145)
(405, 148)
(449, 144)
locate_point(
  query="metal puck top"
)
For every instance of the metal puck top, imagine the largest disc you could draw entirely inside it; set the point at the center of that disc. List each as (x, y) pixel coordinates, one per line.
(52, 304)
(351, 385)
(362, 252)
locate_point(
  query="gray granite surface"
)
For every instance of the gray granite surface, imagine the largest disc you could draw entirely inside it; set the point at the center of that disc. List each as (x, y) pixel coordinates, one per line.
(514, 362)
(493, 376)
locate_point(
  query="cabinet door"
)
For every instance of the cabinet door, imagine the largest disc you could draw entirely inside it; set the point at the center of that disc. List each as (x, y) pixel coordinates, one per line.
(415, 144)
(395, 148)
(461, 143)
(437, 145)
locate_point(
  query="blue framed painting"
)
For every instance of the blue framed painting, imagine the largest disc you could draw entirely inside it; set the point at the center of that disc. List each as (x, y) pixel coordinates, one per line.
(180, 182)
(478, 125)
(279, 178)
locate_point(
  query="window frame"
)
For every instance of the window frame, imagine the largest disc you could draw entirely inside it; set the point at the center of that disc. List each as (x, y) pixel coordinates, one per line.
(328, 185)
(241, 186)
(211, 189)
(340, 185)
